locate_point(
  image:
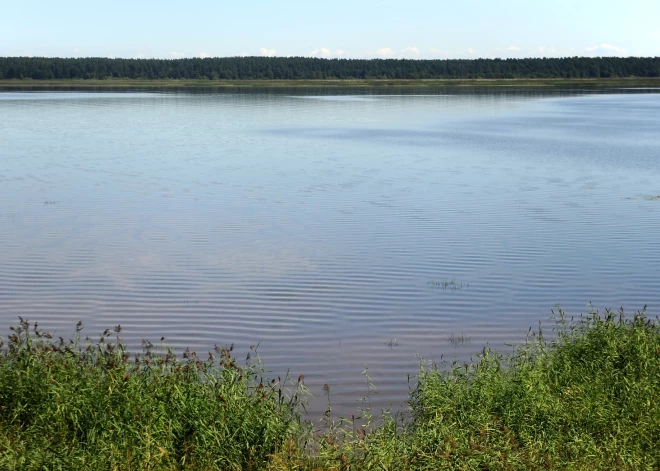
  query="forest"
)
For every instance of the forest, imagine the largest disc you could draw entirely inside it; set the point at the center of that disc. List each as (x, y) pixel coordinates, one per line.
(306, 68)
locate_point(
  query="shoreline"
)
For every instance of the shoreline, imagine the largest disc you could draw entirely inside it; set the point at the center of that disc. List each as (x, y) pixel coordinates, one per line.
(336, 83)
(584, 398)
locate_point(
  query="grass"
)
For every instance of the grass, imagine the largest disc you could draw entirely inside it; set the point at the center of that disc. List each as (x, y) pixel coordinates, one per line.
(169, 83)
(89, 405)
(587, 396)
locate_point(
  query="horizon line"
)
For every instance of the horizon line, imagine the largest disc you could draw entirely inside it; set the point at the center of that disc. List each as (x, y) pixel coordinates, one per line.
(174, 59)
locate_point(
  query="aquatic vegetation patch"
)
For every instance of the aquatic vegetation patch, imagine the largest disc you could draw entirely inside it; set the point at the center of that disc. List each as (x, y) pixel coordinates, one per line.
(645, 198)
(392, 343)
(458, 339)
(448, 285)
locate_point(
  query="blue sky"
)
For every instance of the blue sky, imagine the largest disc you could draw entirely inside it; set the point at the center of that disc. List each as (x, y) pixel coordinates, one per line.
(359, 29)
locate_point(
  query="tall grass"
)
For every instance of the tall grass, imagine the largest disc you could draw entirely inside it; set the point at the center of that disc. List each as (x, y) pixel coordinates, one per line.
(588, 397)
(89, 405)
(585, 396)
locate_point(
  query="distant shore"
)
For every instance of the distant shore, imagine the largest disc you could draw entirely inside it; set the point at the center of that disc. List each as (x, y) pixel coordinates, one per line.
(428, 83)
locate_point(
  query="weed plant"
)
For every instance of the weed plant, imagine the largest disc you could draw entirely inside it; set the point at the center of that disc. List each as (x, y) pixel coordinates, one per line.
(90, 405)
(585, 397)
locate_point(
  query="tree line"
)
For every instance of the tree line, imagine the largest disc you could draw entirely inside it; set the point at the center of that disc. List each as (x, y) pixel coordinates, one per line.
(307, 68)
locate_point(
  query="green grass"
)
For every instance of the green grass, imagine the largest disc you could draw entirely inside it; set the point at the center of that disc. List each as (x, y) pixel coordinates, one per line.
(72, 405)
(588, 398)
(169, 83)
(584, 396)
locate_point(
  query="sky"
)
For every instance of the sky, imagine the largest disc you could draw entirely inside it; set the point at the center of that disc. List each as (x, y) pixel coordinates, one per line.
(419, 29)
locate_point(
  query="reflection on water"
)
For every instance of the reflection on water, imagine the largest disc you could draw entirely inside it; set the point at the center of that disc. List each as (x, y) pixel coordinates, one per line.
(332, 229)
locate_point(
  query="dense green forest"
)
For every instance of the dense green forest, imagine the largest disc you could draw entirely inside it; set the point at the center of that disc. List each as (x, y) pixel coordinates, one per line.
(306, 68)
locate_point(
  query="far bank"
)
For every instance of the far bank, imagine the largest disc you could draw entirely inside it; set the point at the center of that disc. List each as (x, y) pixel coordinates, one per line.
(427, 83)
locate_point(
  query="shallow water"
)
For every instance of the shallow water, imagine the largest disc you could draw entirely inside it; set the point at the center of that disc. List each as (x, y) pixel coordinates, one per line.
(322, 224)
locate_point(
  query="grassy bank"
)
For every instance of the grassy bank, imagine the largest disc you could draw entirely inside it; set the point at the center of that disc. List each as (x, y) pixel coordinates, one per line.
(155, 83)
(584, 396)
(90, 405)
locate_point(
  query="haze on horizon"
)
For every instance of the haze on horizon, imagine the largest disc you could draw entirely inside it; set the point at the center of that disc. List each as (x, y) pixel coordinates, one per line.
(418, 29)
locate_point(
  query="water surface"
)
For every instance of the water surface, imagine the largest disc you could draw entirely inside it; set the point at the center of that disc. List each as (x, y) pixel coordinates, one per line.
(323, 224)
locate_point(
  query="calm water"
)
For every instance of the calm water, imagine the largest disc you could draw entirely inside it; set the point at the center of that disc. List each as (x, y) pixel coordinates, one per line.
(318, 223)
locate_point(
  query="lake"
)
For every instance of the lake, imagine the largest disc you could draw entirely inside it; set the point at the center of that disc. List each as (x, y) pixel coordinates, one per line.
(336, 228)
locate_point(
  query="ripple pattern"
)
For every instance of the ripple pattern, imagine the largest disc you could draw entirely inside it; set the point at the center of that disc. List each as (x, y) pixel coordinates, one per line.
(335, 231)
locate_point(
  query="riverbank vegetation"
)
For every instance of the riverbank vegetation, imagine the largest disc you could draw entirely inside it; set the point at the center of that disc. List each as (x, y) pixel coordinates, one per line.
(307, 68)
(85, 405)
(582, 395)
(204, 85)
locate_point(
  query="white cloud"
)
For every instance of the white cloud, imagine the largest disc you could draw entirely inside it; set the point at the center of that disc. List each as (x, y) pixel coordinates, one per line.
(267, 52)
(384, 52)
(513, 48)
(140, 55)
(76, 51)
(472, 51)
(606, 48)
(327, 52)
(437, 52)
(544, 50)
(202, 55)
(177, 55)
(410, 51)
(321, 52)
